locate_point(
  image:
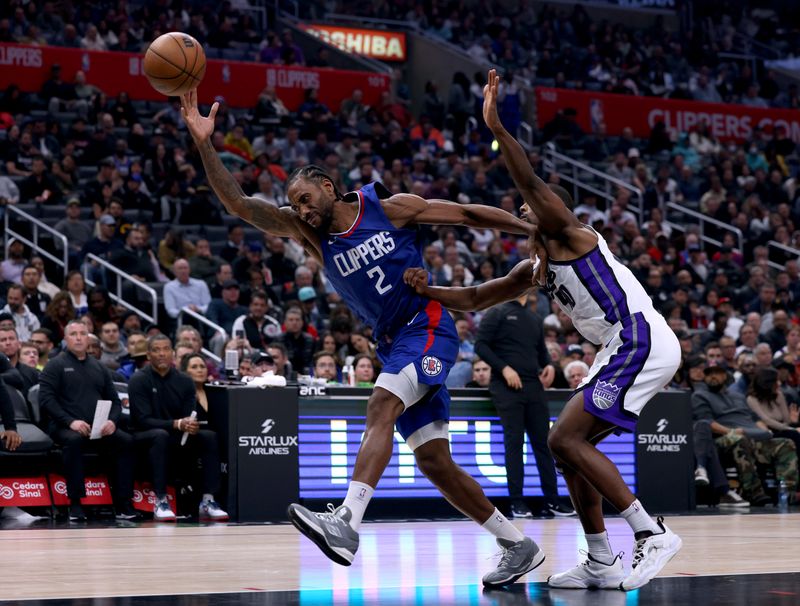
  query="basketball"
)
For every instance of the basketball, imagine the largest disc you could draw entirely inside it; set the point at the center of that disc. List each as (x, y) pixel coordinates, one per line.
(175, 63)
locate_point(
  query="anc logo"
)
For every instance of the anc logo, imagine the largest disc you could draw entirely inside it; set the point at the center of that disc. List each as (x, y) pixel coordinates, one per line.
(431, 366)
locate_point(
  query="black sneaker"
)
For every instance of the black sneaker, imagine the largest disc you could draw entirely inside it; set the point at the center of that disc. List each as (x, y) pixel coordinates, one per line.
(520, 510)
(559, 510)
(76, 513)
(127, 512)
(761, 501)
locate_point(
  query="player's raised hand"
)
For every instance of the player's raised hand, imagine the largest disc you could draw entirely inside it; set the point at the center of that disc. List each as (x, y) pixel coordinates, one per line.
(200, 127)
(417, 279)
(490, 115)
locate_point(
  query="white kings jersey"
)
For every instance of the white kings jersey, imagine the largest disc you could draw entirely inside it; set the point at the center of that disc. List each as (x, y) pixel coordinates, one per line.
(598, 293)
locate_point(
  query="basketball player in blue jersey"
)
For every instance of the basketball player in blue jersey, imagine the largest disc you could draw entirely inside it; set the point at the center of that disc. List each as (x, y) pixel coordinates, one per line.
(640, 355)
(366, 240)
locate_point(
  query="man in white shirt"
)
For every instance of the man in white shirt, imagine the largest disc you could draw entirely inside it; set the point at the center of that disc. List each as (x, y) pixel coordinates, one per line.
(25, 321)
(185, 291)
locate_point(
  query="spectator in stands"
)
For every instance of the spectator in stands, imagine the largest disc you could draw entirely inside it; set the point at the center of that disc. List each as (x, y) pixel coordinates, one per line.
(575, 371)
(185, 291)
(92, 40)
(768, 402)
(137, 356)
(364, 370)
(162, 401)
(174, 247)
(104, 242)
(35, 300)
(134, 258)
(11, 268)
(252, 260)
(325, 367)
(735, 431)
(42, 339)
(283, 367)
(29, 355)
(293, 150)
(76, 288)
(254, 324)
(226, 310)
(234, 247)
(101, 308)
(25, 321)
(194, 366)
(299, 344)
(39, 187)
(62, 96)
(112, 346)
(481, 374)
(261, 363)
(58, 314)
(78, 232)
(19, 376)
(203, 265)
(71, 386)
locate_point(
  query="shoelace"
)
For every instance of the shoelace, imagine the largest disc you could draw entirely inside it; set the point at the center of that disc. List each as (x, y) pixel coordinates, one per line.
(638, 552)
(330, 515)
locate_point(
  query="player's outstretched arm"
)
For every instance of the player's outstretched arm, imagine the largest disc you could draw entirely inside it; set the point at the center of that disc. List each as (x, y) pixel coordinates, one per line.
(553, 215)
(278, 222)
(473, 298)
(408, 209)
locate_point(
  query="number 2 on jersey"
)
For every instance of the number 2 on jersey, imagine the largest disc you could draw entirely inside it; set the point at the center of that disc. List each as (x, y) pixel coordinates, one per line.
(379, 285)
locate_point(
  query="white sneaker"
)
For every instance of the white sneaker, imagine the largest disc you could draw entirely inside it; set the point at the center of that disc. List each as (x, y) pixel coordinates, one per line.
(732, 499)
(211, 511)
(590, 573)
(650, 555)
(701, 476)
(162, 512)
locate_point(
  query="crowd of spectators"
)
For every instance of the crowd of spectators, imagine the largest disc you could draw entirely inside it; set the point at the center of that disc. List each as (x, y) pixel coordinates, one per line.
(126, 176)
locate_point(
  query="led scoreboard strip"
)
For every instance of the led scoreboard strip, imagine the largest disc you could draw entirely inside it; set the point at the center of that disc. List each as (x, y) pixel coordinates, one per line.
(332, 424)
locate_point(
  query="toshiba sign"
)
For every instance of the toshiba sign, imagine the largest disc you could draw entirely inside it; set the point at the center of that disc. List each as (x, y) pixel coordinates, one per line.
(378, 44)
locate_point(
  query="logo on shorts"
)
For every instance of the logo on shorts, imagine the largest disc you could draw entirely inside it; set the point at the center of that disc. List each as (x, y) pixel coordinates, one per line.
(605, 394)
(431, 366)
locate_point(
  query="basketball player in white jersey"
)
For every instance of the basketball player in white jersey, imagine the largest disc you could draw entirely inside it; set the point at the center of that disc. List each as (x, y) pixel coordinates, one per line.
(640, 354)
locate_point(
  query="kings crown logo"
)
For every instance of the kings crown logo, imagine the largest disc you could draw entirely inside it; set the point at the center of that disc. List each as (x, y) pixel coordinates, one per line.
(605, 394)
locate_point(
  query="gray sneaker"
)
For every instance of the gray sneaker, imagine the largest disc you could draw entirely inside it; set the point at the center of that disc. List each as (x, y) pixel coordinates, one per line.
(517, 560)
(330, 530)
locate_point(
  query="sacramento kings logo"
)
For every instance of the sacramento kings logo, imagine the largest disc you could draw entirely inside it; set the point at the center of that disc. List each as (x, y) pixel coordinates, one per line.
(431, 366)
(604, 395)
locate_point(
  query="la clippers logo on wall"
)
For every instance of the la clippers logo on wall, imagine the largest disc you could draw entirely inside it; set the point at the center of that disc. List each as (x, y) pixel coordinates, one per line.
(431, 366)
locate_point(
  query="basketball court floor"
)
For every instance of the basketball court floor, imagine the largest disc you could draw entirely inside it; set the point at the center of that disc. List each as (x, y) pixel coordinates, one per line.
(736, 560)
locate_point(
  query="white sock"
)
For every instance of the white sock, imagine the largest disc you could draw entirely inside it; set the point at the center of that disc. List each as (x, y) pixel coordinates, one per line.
(600, 548)
(500, 527)
(638, 519)
(208, 497)
(357, 499)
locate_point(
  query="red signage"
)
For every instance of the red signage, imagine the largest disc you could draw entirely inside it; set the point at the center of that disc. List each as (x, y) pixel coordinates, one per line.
(375, 43)
(727, 122)
(98, 492)
(24, 492)
(239, 82)
(144, 499)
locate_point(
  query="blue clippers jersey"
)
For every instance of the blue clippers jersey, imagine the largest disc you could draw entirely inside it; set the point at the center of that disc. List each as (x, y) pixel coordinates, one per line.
(365, 264)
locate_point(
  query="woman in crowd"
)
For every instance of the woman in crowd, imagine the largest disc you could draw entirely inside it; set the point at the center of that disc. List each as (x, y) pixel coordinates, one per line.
(172, 248)
(58, 314)
(365, 370)
(194, 365)
(76, 288)
(765, 399)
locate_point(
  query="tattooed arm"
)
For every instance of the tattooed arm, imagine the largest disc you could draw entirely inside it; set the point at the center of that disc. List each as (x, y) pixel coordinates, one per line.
(278, 222)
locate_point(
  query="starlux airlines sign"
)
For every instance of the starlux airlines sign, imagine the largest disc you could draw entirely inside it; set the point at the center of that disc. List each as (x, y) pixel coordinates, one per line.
(375, 43)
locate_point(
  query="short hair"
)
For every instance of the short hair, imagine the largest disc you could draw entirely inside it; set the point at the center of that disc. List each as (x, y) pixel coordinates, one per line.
(151, 342)
(279, 346)
(322, 354)
(576, 364)
(75, 321)
(563, 194)
(294, 310)
(48, 334)
(29, 345)
(234, 226)
(185, 344)
(16, 287)
(259, 294)
(186, 328)
(14, 330)
(711, 345)
(29, 266)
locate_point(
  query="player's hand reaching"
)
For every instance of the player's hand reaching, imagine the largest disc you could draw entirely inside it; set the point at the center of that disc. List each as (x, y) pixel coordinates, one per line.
(417, 279)
(201, 128)
(490, 115)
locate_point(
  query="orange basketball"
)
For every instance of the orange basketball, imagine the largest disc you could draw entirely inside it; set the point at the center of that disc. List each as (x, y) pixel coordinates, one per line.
(175, 63)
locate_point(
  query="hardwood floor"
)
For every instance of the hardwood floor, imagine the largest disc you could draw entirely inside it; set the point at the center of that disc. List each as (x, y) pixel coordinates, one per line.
(150, 559)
